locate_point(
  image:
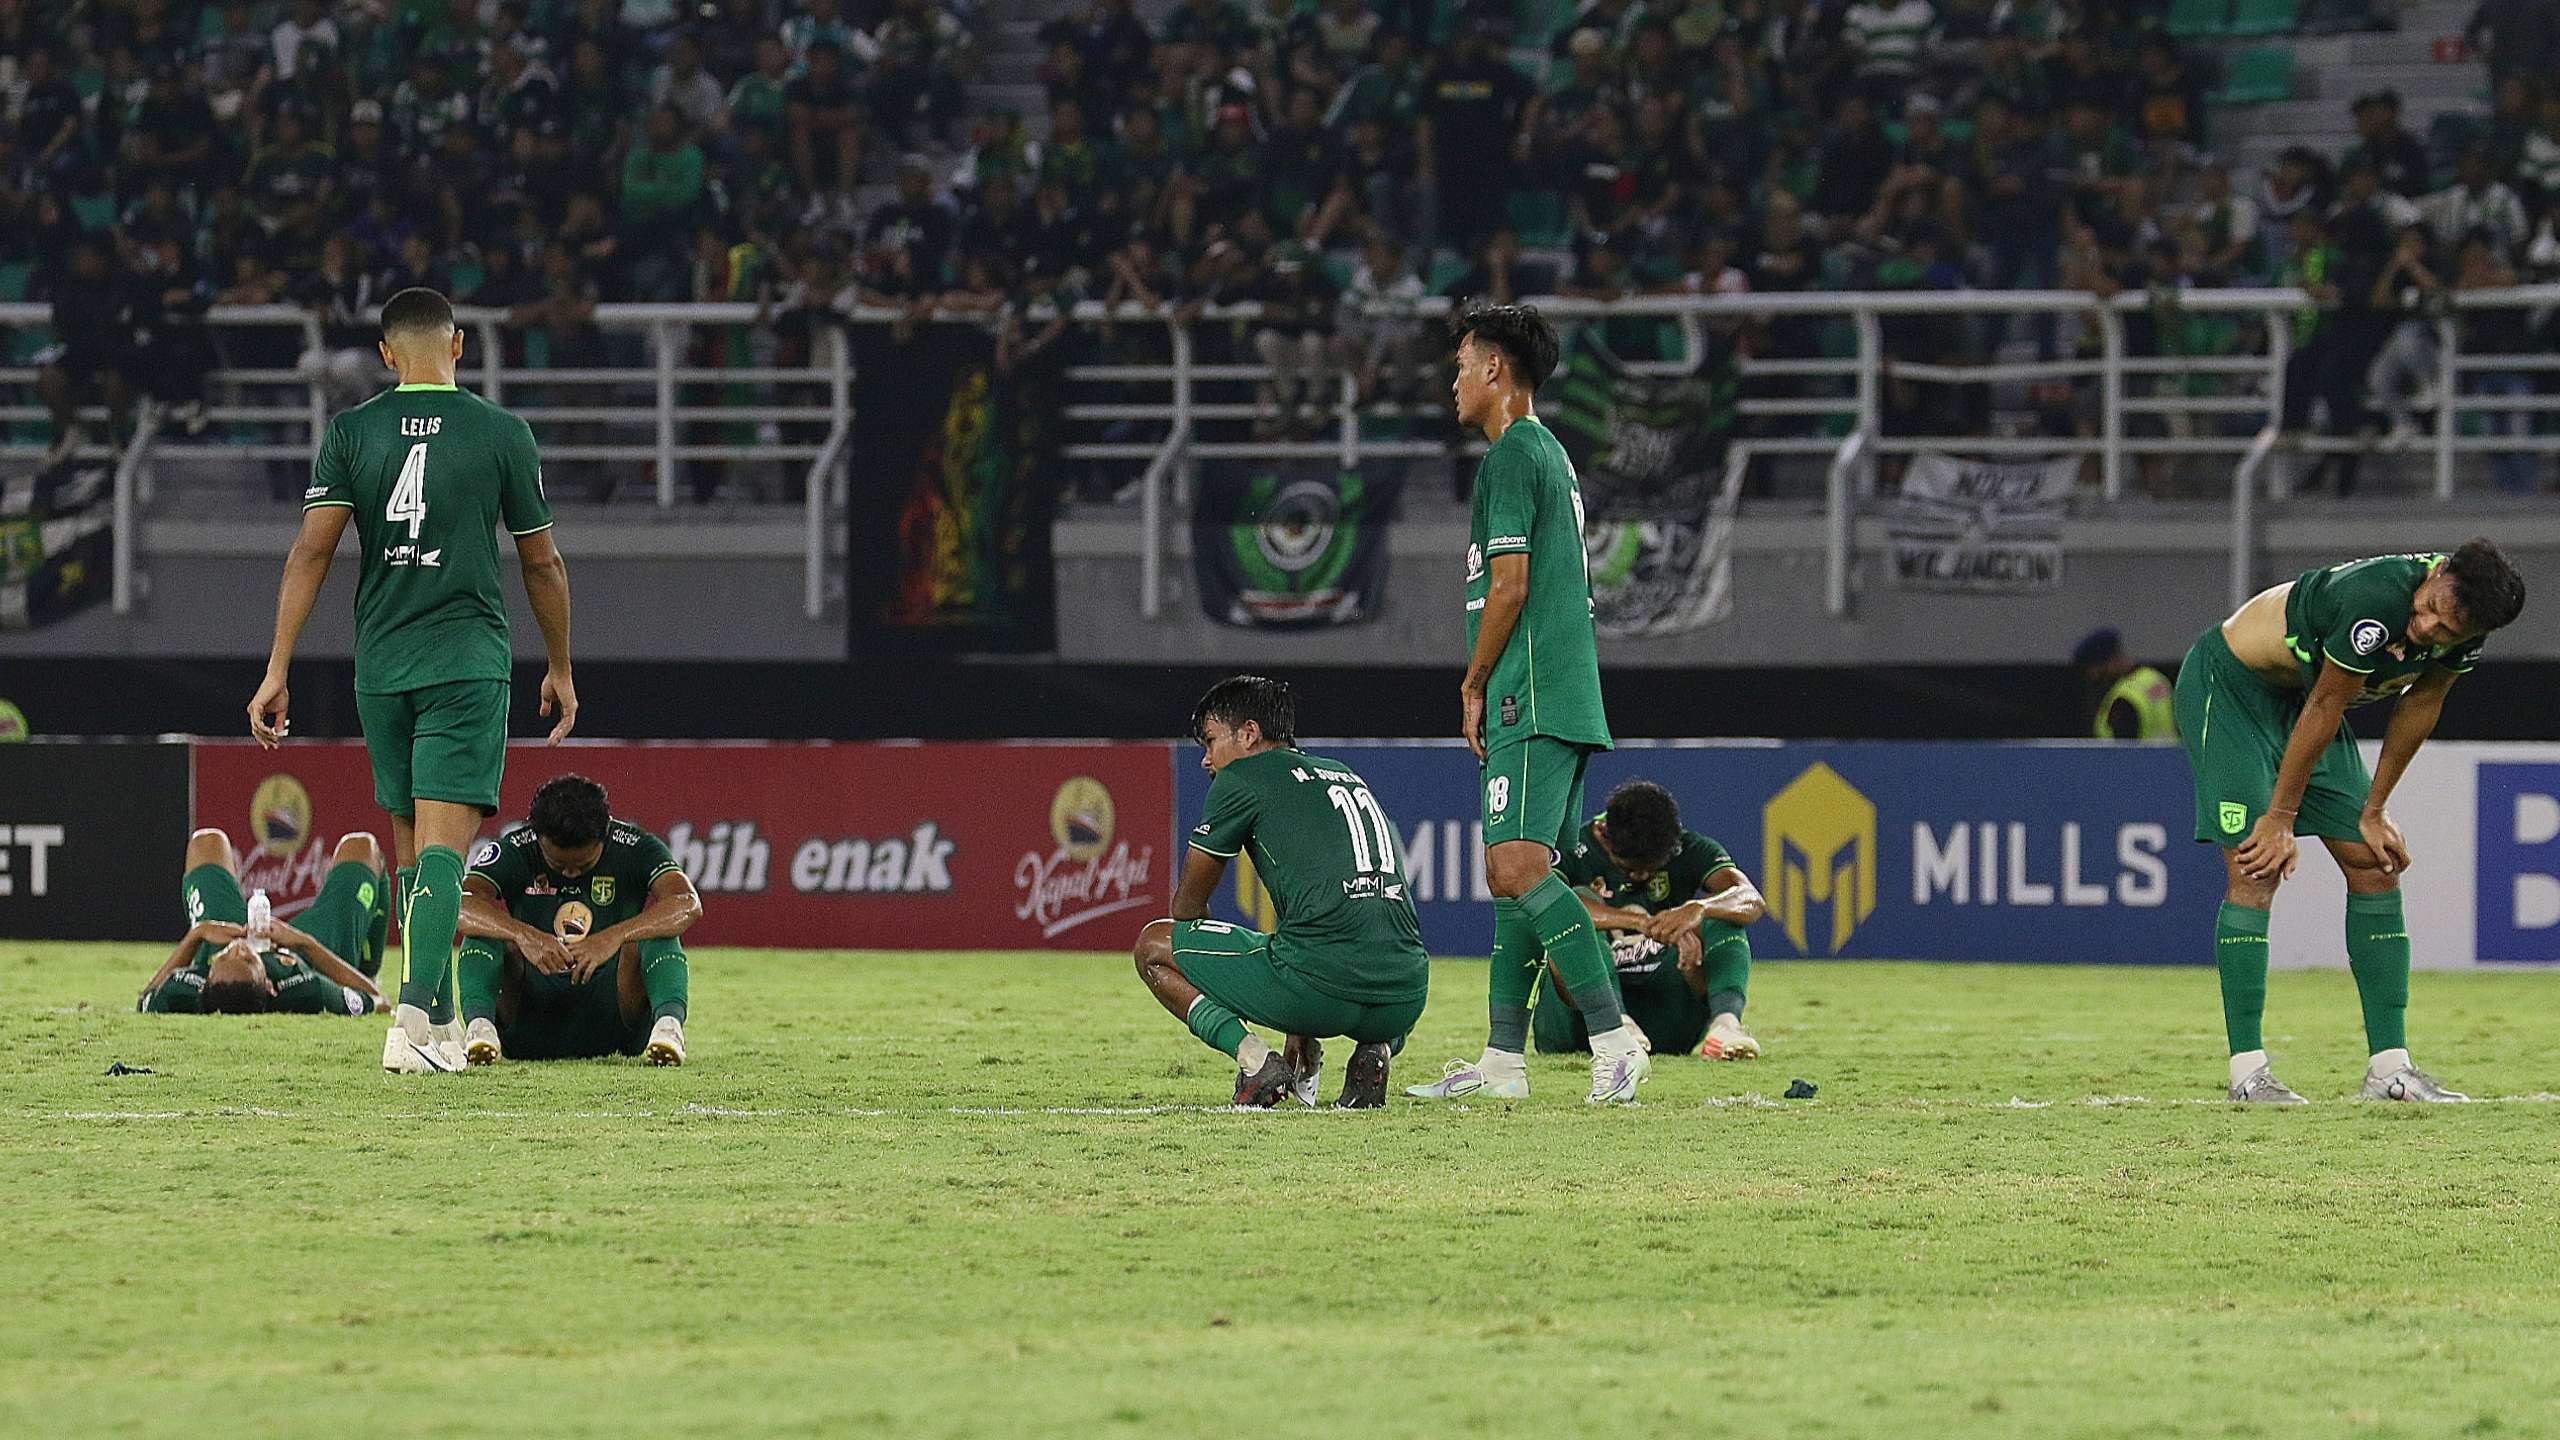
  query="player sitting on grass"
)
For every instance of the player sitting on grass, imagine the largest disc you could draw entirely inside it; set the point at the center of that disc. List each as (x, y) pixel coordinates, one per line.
(1677, 903)
(1348, 959)
(2261, 707)
(232, 963)
(571, 924)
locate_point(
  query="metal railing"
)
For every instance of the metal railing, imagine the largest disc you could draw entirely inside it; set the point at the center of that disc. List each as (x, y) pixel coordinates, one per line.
(1187, 408)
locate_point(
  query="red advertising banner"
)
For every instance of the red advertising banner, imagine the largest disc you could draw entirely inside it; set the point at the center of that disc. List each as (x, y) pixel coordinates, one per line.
(931, 846)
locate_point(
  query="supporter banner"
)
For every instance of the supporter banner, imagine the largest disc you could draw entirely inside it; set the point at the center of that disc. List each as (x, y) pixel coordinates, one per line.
(1643, 446)
(1291, 546)
(1984, 527)
(1880, 851)
(91, 836)
(1663, 577)
(57, 541)
(960, 445)
(806, 846)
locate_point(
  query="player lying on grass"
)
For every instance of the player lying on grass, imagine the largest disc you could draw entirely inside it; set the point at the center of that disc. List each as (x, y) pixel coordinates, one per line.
(1677, 905)
(2261, 707)
(572, 926)
(1348, 958)
(232, 963)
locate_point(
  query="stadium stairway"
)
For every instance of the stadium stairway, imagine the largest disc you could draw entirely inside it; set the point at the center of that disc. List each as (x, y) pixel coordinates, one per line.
(2424, 60)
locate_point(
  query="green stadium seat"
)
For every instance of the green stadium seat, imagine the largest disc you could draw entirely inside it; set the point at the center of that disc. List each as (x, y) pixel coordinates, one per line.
(96, 212)
(1532, 65)
(1540, 218)
(1536, 22)
(2256, 76)
(2195, 19)
(13, 280)
(2266, 17)
(1446, 270)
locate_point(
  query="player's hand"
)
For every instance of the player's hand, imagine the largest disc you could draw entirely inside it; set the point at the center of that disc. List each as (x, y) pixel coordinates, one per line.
(267, 712)
(2382, 836)
(544, 952)
(218, 932)
(588, 954)
(1471, 718)
(558, 693)
(1692, 951)
(2269, 852)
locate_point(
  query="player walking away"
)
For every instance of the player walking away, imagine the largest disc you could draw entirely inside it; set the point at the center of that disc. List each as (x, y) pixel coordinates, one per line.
(428, 472)
(573, 927)
(1678, 905)
(232, 961)
(1348, 958)
(2261, 702)
(1530, 709)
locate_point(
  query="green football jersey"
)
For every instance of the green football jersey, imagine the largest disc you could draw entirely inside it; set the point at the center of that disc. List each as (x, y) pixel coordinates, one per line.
(1547, 681)
(2352, 615)
(614, 891)
(431, 472)
(1334, 866)
(1588, 866)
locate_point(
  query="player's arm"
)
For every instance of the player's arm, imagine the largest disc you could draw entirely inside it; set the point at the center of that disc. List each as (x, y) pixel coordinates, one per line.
(1506, 590)
(2412, 721)
(1605, 916)
(673, 907)
(1201, 872)
(306, 565)
(1730, 898)
(546, 585)
(485, 917)
(203, 932)
(325, 960)
(2269, 852)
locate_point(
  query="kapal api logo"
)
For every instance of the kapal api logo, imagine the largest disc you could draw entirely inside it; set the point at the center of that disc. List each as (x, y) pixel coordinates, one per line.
(1089, 874)
(287, 856)
(573, 920)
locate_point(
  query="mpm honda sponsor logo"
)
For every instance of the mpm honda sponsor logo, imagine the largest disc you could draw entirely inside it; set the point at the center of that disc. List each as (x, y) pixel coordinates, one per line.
(1088, 874)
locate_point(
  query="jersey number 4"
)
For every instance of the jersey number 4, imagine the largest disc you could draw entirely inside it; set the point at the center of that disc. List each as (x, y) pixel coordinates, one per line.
(1367, 824)
(409, 492)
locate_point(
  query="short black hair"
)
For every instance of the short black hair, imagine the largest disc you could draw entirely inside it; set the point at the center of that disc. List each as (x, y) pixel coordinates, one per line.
(570, 811)
(1644, 824)
(1238, 698)
(1521, 333)
(236, 997)
(2486, 587)
(416, 308)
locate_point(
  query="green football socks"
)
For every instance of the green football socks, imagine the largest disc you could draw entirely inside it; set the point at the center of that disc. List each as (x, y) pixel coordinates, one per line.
(1516, 957)
(1218, 1027)
(2240, 952)
(663, 973)
(2378, 954)
(479, 968)
(1582, 962)
(435, 910)
(1728, 965)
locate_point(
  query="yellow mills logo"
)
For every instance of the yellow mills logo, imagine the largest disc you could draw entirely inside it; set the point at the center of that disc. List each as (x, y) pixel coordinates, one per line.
(1819, 848)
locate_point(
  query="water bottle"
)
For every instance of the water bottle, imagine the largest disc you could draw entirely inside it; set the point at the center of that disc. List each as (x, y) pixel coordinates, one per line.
(261, 920)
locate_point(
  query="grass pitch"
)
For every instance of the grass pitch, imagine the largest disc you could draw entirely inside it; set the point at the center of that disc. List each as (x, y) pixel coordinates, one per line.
(932, 1196)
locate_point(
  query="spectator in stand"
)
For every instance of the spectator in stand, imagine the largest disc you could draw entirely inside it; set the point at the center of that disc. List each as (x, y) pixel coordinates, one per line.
(1502, 274)
(2521, 36)
(346, 298)
(1293, 337)
(1380, 336)
(2398, 156)
(662, 196)
(1474, 130)
(2538, 163)
(925, 59)
(1384, 179)
(693, 91)
(2507, 330)
(308, 37)
(2226, 226)
(89, 354)
(1856, 158)
(2402, 375)
(917, 223)
(2479, 203)
(1888, 38)
(824, 114)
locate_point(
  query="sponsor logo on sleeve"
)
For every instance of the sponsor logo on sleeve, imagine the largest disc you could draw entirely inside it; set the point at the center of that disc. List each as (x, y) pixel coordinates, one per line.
(2368, 636)
(486, 854)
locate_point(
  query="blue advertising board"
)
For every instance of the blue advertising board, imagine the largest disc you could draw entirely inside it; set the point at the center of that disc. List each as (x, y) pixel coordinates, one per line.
(2070, 851)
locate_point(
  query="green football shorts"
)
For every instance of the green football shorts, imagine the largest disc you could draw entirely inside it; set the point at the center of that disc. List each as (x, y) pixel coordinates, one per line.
(2234, 726)
(342, 918)
(558, 1019)
(1673, 1016)
(1235, 967)
(1533, 791)
(440, 742)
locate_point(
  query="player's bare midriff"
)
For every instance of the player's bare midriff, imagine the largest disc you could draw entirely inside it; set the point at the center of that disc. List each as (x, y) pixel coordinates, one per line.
(2255, 633)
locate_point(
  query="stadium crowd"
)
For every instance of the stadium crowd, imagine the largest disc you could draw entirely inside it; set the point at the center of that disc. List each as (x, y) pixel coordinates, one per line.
(1336, 160)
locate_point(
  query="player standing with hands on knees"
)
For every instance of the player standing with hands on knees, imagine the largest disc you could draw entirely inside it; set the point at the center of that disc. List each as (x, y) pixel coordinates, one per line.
(1530, 709)
(2261, 707)
(428, 471)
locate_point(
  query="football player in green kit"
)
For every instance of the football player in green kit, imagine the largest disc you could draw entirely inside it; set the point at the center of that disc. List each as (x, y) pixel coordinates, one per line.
(233, 961)
(1348, 958)
(1677, 904)
(574, 926)
(2261, 707)
(427, 472)
(1530, 708)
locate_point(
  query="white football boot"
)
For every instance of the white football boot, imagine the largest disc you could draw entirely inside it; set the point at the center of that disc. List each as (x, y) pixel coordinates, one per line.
(480, 1043)
(2408, 1082)
(666, 1041)
(1618, 1066)
(1497, 1075)
(402, 1055)
(1727, 1040)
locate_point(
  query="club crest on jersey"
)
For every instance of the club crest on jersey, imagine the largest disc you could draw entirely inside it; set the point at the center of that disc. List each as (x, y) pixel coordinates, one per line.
(2234, 817)
(2368, 635)
(601, 887)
